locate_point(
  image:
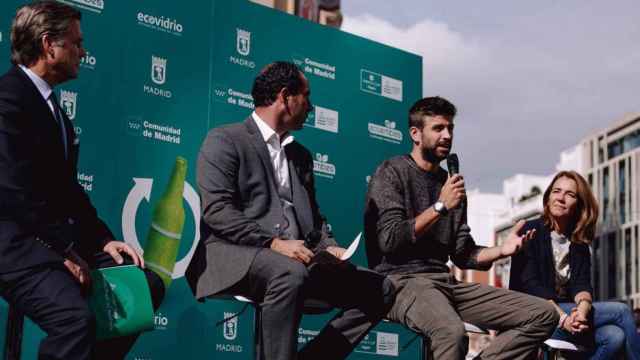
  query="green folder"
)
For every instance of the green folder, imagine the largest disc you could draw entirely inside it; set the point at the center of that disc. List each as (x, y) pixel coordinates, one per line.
(121, 301)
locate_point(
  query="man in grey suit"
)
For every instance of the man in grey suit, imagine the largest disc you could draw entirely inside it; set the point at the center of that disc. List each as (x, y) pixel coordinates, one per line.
(258, 201)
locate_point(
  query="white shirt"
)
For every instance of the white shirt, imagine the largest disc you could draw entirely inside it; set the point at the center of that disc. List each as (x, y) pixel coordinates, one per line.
(43, 87)
(560, 246)
(275, 145)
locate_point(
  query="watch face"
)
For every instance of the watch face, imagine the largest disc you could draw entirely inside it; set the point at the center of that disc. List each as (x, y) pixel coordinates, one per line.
(440, 208)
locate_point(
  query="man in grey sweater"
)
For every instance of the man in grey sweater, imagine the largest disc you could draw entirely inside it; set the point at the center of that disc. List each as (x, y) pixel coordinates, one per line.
(415, 222)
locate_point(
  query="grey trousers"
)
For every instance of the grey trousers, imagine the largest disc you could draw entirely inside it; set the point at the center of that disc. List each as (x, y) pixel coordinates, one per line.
(281, 284)
(436, 305)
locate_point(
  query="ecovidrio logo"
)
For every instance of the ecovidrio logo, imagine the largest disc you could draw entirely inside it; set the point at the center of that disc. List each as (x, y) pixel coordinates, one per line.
(160, 23)
(89, 61)
(160, 321)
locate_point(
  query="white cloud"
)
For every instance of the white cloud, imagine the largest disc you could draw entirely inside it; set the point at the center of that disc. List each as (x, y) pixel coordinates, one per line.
(436, 42)
(450, 61)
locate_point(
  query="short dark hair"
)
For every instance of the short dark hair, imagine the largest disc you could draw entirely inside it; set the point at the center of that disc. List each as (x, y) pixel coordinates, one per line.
(273, 78)
(430, 106)
(32, 21)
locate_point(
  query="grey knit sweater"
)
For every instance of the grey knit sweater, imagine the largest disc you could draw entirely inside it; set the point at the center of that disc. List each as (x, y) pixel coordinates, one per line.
(398, 192)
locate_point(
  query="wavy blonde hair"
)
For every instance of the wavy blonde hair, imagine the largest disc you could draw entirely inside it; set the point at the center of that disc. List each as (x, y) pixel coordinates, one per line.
(585, 216)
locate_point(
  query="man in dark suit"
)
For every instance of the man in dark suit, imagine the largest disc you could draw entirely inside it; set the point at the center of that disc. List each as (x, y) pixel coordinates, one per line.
(50, 235)
(258, 202)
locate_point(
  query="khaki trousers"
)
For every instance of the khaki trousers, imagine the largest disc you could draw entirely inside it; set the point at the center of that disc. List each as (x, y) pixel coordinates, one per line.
(436, 305)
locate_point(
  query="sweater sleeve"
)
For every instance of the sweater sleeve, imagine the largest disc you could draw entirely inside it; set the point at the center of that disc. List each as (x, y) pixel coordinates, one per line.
(466, 252)
(386, 212)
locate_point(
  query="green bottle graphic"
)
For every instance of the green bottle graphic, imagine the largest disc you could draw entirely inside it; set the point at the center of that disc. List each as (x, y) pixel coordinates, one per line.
(167, 222)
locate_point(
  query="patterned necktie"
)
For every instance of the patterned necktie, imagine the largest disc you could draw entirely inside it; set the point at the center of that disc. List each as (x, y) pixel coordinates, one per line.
(58, 116)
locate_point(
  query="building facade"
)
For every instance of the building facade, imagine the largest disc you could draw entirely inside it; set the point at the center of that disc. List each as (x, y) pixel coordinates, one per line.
(324, 12)
(610, 162)
(492, 217)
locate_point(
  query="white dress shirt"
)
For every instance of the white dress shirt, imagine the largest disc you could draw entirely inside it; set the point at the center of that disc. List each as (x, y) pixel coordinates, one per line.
(275, 144)
(43, 87)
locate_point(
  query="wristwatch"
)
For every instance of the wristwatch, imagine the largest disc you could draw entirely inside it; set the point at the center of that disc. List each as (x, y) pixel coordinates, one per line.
(440, 208)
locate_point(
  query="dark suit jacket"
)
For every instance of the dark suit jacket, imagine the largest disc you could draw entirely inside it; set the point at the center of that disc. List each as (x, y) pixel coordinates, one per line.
(42, 207)
(533, 270)
(241, 205)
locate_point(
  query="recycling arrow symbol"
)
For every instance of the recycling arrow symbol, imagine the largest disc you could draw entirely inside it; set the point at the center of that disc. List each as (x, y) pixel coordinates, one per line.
(140, 191)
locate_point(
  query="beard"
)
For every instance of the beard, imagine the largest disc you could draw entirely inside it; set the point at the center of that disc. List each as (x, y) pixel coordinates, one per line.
(431, 155)
(297, 123)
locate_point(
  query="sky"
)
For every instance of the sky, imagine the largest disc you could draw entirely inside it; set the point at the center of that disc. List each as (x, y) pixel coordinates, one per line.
(529, 78)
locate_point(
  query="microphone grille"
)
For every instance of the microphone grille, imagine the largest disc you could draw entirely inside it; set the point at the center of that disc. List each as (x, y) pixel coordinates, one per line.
(453, 165)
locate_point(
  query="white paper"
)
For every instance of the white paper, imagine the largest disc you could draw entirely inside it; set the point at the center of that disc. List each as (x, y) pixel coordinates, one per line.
(352, 248)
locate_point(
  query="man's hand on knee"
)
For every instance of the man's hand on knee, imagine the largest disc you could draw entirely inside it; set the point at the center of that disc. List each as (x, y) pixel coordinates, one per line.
(294, 249)
(114, 248)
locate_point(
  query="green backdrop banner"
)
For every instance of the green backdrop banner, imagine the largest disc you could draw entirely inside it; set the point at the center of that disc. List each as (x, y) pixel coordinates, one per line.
(158, 75)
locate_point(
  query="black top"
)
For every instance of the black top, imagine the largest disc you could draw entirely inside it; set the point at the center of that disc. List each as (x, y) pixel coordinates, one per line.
(533, 271)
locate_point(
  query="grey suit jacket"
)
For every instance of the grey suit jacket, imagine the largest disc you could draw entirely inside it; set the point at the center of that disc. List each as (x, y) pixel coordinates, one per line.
(241, 206)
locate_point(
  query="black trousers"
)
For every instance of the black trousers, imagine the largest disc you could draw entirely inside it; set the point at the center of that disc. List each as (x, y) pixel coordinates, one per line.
(51, 297)
(280, 285)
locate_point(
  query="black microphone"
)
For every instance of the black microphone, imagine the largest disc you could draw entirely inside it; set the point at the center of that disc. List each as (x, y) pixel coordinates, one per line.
(312, 239)
(453, 165)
